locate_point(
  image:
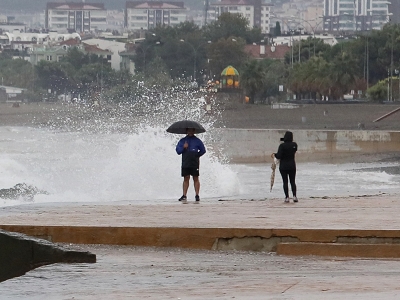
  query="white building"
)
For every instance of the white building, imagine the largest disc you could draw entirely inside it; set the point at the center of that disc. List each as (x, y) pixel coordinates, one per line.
(12, 27)
(74, 16)
(294, 39)
(37, 38)
(351, 15)
(58, 51)
(23, 42)
(113, 47)
(150, 14)
(256, 11)
(11, 94)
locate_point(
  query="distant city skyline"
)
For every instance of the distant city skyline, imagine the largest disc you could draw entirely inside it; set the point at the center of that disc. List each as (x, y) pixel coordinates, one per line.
(40, 5)
(317, 15)
(361, 15)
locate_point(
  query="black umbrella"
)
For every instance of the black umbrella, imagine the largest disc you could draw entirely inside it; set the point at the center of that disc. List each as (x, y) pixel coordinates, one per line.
(181, 126)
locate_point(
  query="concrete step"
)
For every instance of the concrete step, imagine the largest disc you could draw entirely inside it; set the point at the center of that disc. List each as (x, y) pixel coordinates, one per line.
(322, 242)
(340, 249)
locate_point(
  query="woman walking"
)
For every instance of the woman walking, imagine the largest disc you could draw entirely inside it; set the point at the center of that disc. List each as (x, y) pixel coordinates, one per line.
(287, 166)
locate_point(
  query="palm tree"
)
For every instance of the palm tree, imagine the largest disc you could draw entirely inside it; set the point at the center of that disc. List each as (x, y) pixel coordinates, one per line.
(253, 78)
(342, 75)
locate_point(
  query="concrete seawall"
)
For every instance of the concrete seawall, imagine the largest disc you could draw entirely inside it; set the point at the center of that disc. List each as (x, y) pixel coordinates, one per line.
(362, 226)
(256, 145)
(20, 254)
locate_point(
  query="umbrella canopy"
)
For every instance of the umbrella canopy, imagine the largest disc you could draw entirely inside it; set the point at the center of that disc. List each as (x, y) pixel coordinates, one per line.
(181, 126)
(229, 70)
(275, 162)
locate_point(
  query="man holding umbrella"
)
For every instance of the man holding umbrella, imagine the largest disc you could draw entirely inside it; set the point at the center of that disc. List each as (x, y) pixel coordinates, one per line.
(191, 148)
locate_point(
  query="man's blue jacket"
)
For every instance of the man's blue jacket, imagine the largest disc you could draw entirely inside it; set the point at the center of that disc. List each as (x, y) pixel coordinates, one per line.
(190, 156)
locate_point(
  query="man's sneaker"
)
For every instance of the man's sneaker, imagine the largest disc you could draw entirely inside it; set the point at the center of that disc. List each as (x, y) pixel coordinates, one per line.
(197, 199)
(287, 200)
(183, 199)
(295, 199)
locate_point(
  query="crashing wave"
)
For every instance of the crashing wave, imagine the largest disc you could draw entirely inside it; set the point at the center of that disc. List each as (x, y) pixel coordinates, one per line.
(21, 190)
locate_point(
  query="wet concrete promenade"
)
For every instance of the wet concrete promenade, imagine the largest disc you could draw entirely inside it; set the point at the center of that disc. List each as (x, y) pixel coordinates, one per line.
(363, 212)
(132, 272)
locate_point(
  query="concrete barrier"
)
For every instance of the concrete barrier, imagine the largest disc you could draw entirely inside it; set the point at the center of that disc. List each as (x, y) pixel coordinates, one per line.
(256, 145)
(20, 254)
(340, 250)
(324, 242)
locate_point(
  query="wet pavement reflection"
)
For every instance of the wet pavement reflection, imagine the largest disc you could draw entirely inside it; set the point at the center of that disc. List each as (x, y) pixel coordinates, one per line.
(124, 272)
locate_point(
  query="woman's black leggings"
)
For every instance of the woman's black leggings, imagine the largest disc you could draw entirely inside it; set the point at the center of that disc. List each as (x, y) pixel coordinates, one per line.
(292, 177)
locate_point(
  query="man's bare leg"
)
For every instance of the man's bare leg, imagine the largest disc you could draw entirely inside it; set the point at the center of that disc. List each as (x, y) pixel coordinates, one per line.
(196, 183)
(185, 184)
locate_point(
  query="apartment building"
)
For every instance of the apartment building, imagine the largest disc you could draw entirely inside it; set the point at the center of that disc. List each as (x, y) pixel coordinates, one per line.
(56, 52)
(355, 15)
(256, 11)
(149, 14)
(394, 11)
(74, 16)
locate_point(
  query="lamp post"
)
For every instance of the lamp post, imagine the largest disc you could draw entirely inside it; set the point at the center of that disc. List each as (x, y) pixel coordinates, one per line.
(313, 28)
(293, 21)
(291, 45)
(367, 59)
(391, 68)
(388, 87)
(195, 49)
(397, 72)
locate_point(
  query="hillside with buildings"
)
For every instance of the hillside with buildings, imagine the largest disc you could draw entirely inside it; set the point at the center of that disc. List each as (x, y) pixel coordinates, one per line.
(116, 35)
(306, 16)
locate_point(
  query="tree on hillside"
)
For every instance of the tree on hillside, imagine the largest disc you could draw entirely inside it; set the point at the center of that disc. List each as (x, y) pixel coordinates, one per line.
(388, 51)
(183, 49)
(158, 76)
(186, 29)
(77, 58)
(54, 76)
(16, 72)
(94, 77)
(277, 30)
(231, 25)
(226, 52)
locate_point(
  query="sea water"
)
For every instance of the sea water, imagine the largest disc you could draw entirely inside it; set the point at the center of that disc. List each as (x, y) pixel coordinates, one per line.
(321, 180)
(118, 154)
(144, 167)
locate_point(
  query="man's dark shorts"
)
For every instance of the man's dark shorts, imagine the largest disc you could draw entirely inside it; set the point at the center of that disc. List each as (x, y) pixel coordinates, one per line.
(190, 171)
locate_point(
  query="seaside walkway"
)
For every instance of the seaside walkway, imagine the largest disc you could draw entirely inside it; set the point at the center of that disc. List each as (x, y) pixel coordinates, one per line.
(364, 226)
(243, 249)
